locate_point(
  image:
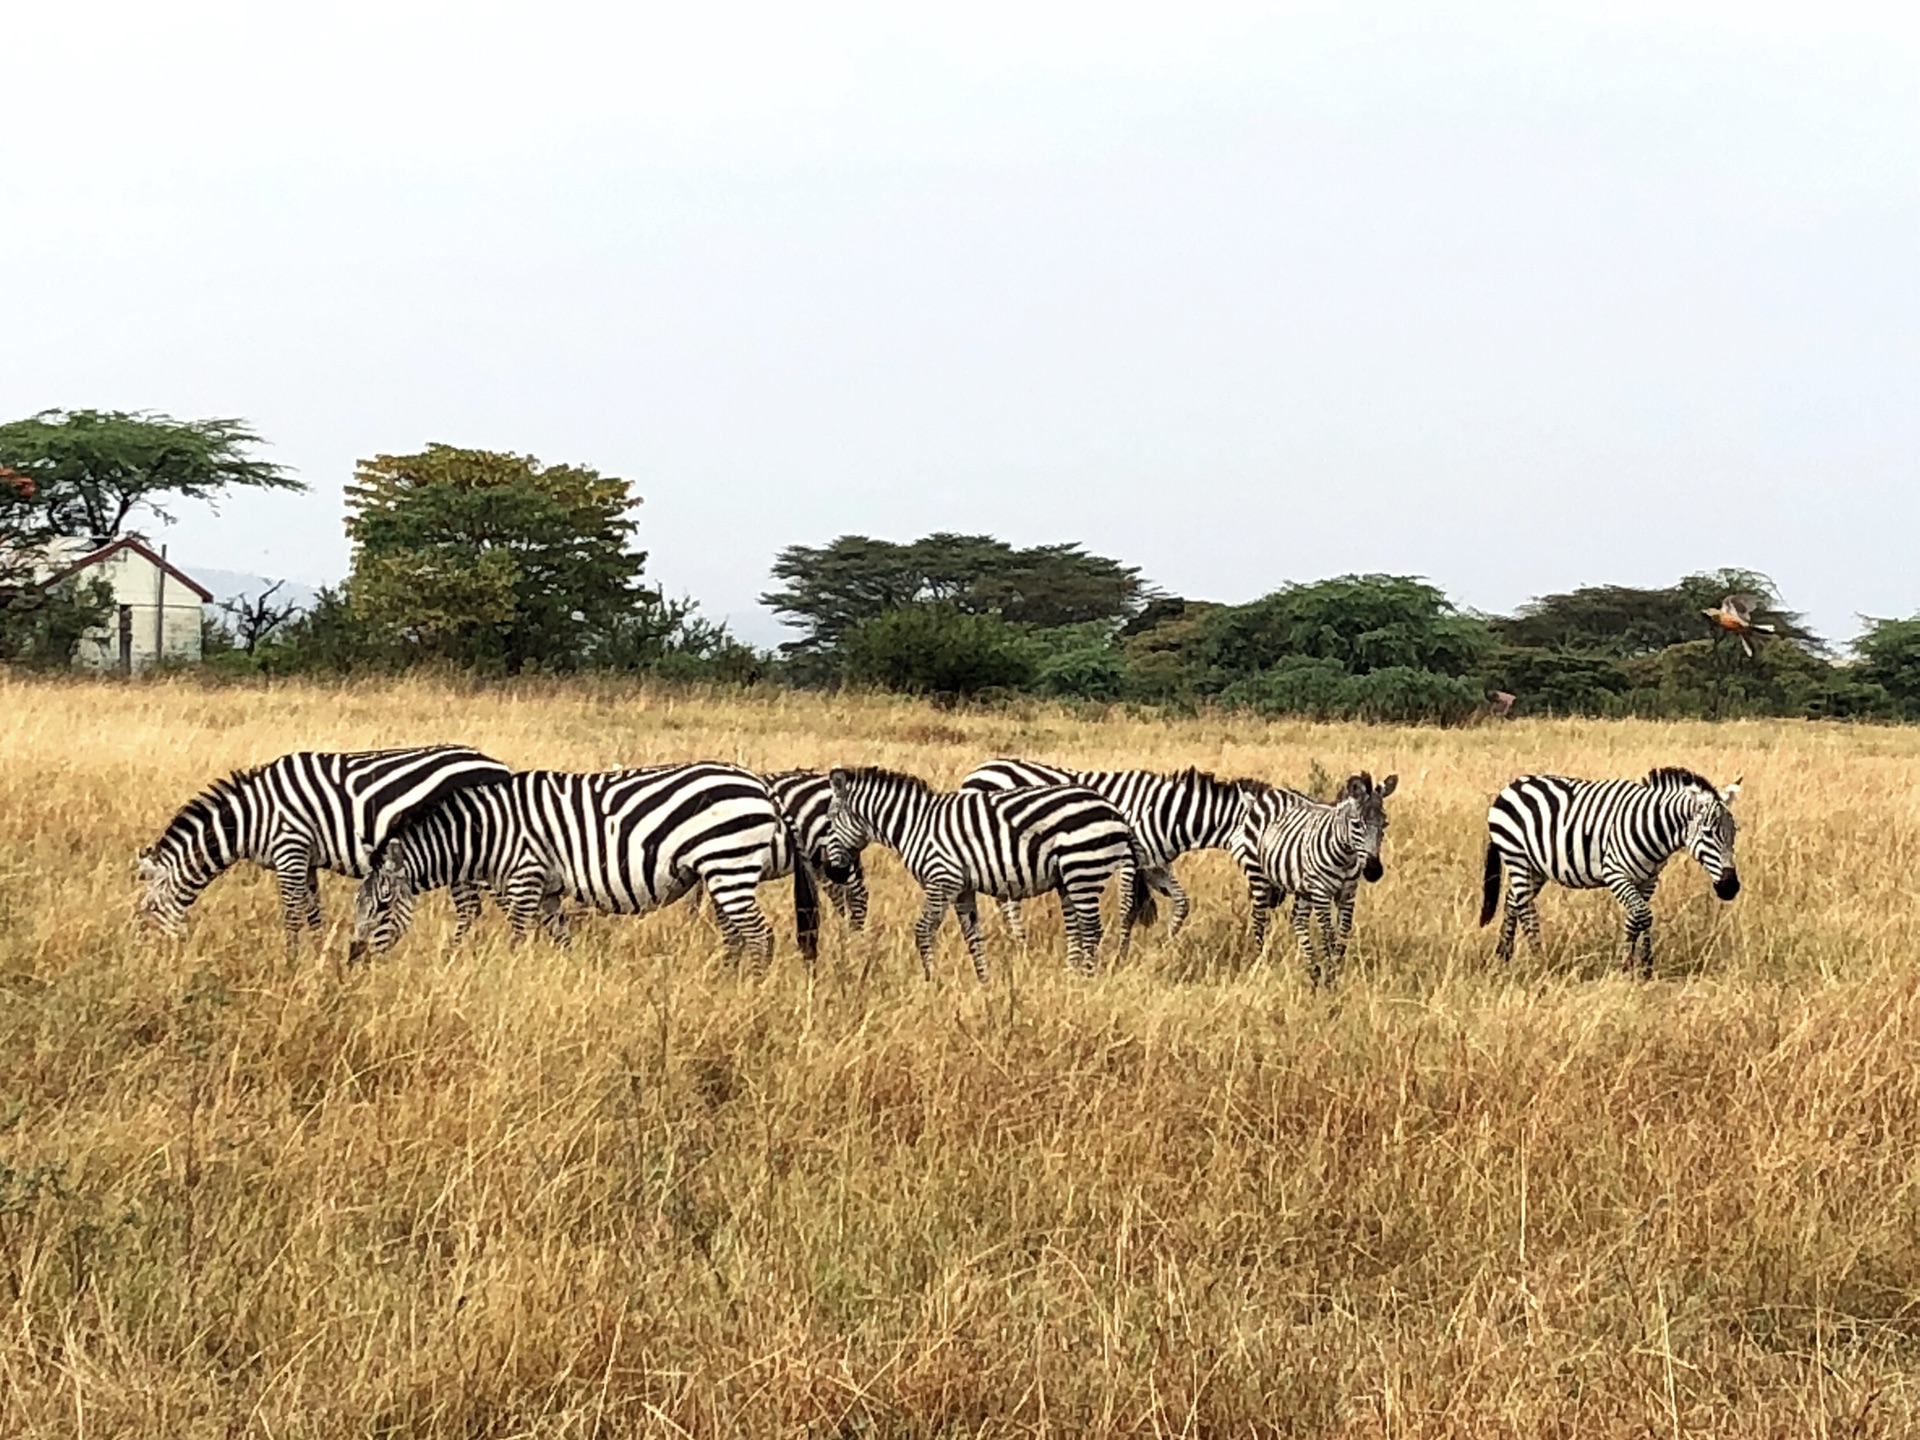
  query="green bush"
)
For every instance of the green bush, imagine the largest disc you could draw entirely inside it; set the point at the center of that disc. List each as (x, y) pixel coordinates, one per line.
(1324, 690)
(1890, 658)
(938, 651)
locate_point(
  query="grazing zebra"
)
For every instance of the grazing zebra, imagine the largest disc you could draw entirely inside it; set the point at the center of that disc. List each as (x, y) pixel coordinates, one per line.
(297, 815)
(805, 797)
(626, 841)
(1170, 815)
(1586, 834)
(1319, 854)
(1010, 844)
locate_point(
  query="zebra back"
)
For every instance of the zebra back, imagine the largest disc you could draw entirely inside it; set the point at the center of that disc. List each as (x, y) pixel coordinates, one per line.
(330, 810)
(1190, 809)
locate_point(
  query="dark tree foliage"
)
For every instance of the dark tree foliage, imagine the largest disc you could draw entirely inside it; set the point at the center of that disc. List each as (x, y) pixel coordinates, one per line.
(1362, 623)
(248, 620)
(1889, 654)
(88, 471)
(492, 561)
(938, 650)
(41, 626)
(1624, 622)
(834, 588)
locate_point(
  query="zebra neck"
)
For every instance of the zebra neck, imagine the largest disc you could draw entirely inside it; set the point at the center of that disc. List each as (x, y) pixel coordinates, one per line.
(892, 817)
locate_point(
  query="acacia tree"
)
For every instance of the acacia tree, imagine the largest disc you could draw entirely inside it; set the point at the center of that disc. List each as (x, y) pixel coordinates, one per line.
(489, 560)
(834, 589)
(87, 472)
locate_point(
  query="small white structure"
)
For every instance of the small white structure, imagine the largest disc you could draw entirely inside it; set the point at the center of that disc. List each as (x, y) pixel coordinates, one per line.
(157, 607)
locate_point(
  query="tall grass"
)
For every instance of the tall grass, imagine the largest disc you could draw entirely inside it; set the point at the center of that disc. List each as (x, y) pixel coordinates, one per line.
(618, 1190)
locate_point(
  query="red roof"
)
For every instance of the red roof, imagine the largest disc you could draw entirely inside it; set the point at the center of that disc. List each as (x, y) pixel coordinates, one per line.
(139, 547)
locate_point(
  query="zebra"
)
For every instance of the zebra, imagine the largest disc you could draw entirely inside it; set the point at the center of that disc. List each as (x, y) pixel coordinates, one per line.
(1170, 815)
(625, 841)
(805, 797)
(1319, 853)
(297, 815)
(1010, 845)
(1586, 834)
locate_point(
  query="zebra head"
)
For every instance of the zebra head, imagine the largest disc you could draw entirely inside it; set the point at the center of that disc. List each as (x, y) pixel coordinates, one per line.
(849, 828)
(1709, 836)
(383, 906)
(1366, 818)
(166, 893)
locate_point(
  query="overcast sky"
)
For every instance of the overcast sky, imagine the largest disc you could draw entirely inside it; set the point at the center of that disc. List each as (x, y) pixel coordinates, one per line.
(1515, 297)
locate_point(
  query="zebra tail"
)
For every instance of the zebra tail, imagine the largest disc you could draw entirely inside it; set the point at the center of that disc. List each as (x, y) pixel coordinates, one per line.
(806, 903)
(1144, 911)
(1490, 887)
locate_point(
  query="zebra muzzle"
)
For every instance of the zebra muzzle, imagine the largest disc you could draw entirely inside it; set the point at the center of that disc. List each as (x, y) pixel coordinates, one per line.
(356, 952)
(1727, 886)
(1373, 869)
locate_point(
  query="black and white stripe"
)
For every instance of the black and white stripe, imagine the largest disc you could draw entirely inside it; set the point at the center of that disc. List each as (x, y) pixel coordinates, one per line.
(1010, 844)
(1170, 815)
(625, 841)
(302, 813)
(805, 797)
(1319, 854)
(1616, 834)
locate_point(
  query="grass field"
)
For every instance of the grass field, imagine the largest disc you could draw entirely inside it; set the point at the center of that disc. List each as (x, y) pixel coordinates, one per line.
(617, 1190)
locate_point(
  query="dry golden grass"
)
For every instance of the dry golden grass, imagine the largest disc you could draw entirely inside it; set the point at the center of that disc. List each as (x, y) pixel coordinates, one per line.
(616, 1190)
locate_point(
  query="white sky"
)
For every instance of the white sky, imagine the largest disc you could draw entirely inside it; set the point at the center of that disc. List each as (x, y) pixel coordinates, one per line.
(1517, 297)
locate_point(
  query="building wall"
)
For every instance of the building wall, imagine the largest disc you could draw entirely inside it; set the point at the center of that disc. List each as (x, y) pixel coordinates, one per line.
(134, 580)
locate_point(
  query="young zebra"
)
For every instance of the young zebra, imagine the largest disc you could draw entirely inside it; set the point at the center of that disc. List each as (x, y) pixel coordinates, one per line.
(300, 814)
(1011, 845)
(805, 797)
(626, 841)
(1586, 834)
(1170, 815)
(1320, 853)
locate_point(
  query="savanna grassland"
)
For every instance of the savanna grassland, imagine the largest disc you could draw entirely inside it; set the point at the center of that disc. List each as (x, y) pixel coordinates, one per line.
(619, 1190)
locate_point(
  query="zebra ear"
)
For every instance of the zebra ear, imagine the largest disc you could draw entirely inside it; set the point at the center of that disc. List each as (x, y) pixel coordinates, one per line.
(1727, 795)
(1386, 786)
(837, 778)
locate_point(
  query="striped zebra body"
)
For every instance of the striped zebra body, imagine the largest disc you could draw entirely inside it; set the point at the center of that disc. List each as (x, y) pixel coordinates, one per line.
(1319, 854)
(1169, 815)
(300, 814)
(1010, 845)
(805, 797)
(1611, 834)
(624, 841)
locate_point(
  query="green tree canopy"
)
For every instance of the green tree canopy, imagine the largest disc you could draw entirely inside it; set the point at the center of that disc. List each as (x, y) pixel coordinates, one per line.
(1625, 622)
(492, 560)
(832, 589)
(936, 650)
(1362, 623)
(1889, 654)
(86, 472)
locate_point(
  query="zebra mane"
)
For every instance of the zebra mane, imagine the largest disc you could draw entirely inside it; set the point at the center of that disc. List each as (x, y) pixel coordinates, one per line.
(885, 776)
(1678, 777)
(206, 804)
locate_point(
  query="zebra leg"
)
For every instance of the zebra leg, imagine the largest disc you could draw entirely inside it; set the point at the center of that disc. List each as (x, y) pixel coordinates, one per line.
(1016, 927)
(466, 908)
(968, 914)
(1637, 902)
(746, 930)
(1161, 879)
(1338, 931)
(1080, 913)
(1301, 917)
(928, 925)
(1517, 911)
(299, 894)
(528, 900)
(1261, 900)
(856, 890)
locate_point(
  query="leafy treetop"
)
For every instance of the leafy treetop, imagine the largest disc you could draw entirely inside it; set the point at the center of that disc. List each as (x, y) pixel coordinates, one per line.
(832, 589)
(85, 472)
(492, 560)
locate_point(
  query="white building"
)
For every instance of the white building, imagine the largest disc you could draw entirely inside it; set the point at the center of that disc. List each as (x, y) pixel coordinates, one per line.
(157, 607)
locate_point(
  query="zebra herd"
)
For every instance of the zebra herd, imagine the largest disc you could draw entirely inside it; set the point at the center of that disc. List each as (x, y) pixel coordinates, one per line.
(630, 841)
